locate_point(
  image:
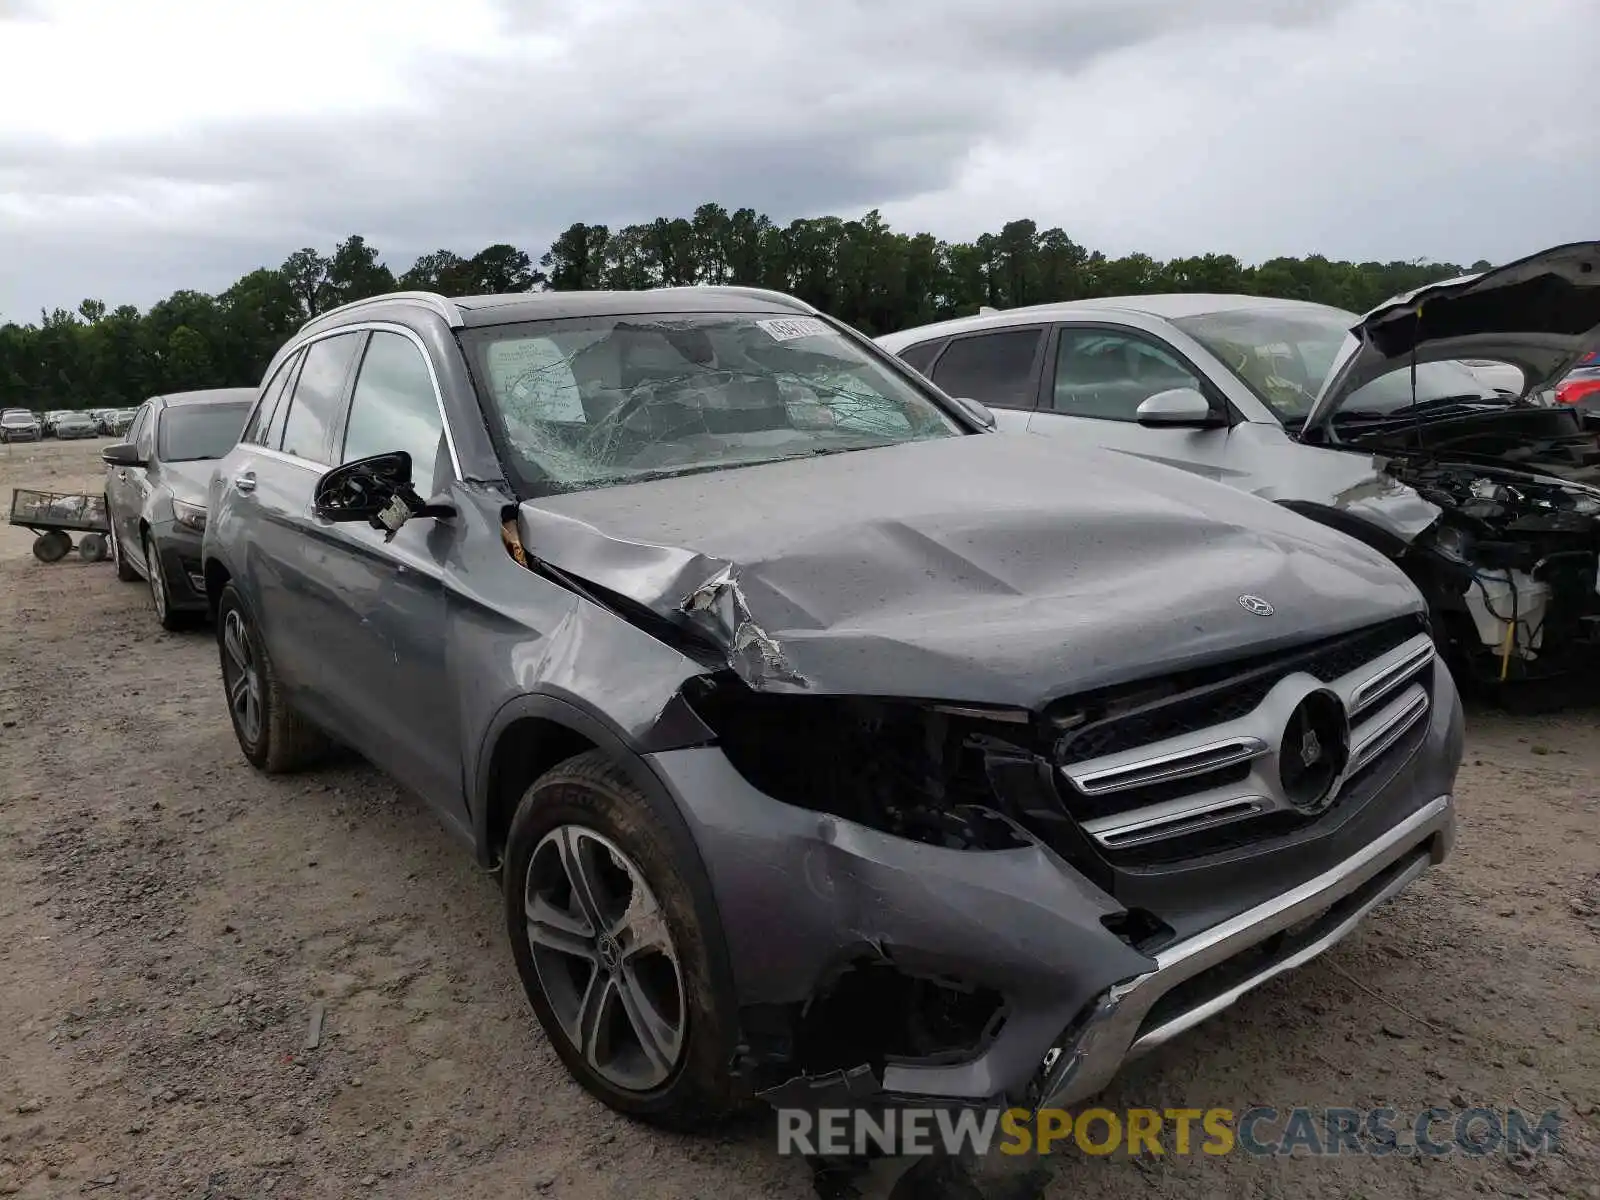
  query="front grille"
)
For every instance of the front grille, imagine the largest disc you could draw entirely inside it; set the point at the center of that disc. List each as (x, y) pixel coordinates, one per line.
(1200, 699)
(1195, 766)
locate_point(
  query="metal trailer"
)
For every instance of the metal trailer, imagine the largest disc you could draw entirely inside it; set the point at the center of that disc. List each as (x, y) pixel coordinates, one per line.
(53, 517)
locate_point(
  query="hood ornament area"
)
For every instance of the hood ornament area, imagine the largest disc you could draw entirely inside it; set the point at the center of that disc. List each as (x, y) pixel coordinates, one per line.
(1256, 605)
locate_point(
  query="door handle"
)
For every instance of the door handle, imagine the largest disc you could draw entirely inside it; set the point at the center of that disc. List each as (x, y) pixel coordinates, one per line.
(122, 476)
(245, 481)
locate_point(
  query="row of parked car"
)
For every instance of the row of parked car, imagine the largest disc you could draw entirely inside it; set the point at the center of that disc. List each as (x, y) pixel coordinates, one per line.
(25, 425)
(942, 720)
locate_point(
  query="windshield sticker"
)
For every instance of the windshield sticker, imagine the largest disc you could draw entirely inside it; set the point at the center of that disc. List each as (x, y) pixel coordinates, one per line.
(786, 329)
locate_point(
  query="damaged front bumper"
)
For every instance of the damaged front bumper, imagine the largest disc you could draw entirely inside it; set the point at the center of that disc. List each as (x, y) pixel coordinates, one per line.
(1199, 977)
(806, 897)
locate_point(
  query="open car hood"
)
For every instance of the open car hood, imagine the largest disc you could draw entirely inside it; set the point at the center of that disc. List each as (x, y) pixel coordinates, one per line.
(1540, 313)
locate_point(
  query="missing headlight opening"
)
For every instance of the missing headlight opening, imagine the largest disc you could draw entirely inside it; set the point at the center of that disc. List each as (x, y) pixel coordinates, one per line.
(901, 767)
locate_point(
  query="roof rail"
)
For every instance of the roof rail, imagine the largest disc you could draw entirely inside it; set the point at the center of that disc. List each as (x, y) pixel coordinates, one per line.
(760, 293)
(432, 301)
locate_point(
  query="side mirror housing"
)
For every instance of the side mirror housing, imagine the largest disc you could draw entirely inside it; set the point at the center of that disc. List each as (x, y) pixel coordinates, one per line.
(1178, 407)
(360, 490)
(977, 410)
(376, 490)
(123, 454)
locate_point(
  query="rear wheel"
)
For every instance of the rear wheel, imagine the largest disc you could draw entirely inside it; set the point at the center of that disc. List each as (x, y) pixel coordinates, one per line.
(274, 737)
(600, 906)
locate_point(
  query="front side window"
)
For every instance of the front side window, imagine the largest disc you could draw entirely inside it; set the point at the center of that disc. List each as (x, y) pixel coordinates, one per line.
(317, 391)
(595, 401)
(192, 432)
(994, 368)
(1285, 354)
(1107, 375)
(142, 432)
(394, 407)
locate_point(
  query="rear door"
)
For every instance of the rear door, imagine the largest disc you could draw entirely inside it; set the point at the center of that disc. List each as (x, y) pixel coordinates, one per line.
(998, 367)
(385, 618)
(270, 482)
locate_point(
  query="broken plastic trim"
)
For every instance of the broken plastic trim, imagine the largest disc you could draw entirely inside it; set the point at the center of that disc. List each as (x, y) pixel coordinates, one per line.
(720, 604)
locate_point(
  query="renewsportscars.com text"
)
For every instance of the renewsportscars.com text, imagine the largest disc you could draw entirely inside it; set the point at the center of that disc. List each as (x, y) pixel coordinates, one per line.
(1258, 1131)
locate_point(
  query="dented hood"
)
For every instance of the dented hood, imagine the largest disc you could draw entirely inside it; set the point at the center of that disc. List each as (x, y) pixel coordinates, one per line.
(984, 568)
(1541, 313)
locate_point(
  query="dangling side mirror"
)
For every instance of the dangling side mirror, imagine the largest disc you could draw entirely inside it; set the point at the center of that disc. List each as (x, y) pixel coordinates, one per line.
(376, 490)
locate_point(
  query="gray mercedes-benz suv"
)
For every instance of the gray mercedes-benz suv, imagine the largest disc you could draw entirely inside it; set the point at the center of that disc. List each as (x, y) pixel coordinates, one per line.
(828, 746)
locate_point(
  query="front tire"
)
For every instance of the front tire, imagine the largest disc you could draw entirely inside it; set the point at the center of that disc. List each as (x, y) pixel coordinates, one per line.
(601, 910)
(274, 737)
(171, 619)
(125, 571)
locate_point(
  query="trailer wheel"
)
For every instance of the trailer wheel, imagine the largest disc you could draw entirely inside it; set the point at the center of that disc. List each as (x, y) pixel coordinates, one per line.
(51, 547)
(92, 547)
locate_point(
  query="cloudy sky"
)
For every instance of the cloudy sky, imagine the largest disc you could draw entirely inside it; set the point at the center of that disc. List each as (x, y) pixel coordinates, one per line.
(179, 143)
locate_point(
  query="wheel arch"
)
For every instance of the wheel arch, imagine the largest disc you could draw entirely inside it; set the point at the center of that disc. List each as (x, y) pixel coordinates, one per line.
(532, 733)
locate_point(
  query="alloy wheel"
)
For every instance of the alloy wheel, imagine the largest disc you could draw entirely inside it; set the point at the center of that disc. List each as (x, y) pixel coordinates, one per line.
(158, 586)
(605, 958)
(241, 677)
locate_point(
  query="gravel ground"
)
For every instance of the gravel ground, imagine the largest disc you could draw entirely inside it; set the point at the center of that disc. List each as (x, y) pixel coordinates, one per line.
(170, 921)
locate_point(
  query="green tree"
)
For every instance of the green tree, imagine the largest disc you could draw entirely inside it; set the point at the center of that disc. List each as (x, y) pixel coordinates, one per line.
(858, 269)
(307, 273)
(354, 273)
(188, 362)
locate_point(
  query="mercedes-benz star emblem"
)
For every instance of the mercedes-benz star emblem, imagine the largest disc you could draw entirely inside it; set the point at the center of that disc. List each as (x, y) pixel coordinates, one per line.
(1310, 748)
(1255, 604)
(1314, 752)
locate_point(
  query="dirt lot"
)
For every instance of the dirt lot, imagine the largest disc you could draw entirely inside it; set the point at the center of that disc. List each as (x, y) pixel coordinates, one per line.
(169, 920)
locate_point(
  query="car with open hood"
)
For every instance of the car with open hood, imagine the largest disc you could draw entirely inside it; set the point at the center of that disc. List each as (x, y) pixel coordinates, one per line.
(156, 487)
(830, 747)
(1373, 426)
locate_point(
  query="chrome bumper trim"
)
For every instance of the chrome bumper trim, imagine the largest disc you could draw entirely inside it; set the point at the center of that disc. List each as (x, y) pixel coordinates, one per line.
(1113, 1030)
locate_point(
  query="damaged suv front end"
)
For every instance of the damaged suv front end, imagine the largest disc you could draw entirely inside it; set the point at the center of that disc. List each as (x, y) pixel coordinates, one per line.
(828, 745)
(995, 747)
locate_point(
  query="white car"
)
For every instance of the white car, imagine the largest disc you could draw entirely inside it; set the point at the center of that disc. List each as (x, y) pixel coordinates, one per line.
(1371, 425)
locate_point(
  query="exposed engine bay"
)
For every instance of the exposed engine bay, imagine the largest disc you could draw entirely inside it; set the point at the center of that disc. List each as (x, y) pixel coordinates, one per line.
(1512, 567)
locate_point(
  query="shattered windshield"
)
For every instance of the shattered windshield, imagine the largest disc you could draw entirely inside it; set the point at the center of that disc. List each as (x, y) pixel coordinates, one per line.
(595, 401)
(1285, 354)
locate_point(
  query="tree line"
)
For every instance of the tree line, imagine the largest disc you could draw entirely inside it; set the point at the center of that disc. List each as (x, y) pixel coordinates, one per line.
(861, 271)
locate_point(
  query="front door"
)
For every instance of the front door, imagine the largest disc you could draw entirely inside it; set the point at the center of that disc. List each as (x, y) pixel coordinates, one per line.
(389, 639)
(126, 487)
(1097, 377)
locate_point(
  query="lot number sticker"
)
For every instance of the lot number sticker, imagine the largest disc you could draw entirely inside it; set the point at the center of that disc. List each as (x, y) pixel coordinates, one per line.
(786, 329)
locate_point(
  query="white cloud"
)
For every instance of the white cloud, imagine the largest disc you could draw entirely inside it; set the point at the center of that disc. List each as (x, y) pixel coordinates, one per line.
(176, 143)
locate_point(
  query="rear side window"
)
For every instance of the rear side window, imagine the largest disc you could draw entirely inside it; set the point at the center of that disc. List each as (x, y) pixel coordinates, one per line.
(261, 420)
(921, 356)
(394, 407)
(315, 404)
(995, 368)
